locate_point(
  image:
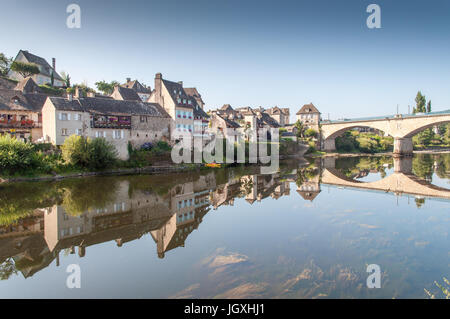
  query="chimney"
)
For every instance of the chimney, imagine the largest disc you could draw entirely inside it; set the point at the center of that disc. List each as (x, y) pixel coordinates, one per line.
(180, 83)
(128, 80)
(78, 92)
(54, 64)
(158, 89)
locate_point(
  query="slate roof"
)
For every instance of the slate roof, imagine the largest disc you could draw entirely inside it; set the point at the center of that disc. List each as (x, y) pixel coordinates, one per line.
(264, 118)
(137, 87)
(109, 106)
(127, 94)
(194, 93)
(278, 110)
(46, 68)
(28, 85)
(25, 101)
(308, 108)
(229, 123)
(199, 112)
(176, 91)
(7, 84)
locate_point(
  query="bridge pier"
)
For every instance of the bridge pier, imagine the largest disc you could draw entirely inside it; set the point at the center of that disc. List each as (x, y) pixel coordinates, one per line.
(403, 146)
(403, 165)
(329, 145)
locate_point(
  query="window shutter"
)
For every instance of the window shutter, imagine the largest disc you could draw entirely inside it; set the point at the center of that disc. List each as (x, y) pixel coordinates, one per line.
(68, 116)
(122, 134)
(60, 116)
(104, 134)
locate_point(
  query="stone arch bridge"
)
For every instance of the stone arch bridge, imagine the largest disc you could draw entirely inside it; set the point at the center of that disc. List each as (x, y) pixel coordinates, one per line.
(402, 127)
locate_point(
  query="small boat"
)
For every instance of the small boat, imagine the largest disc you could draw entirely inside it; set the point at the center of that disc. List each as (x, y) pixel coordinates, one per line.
(213, 165)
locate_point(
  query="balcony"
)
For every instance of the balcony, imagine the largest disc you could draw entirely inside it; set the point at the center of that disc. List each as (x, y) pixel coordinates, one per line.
(113, 122)
(19, 124)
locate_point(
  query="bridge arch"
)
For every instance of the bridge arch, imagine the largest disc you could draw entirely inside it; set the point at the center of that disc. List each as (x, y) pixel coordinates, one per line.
(424, 127)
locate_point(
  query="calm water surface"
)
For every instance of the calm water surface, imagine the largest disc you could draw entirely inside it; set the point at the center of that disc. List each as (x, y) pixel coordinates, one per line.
(308, 231)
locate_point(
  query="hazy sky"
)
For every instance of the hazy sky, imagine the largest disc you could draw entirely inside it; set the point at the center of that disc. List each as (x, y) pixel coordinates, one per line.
(250, 53)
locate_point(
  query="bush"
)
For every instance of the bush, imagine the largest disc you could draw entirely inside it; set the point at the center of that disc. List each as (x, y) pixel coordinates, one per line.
(311, 133)
(16, 155)
(101, 153)
(88, 153)
(75, 151)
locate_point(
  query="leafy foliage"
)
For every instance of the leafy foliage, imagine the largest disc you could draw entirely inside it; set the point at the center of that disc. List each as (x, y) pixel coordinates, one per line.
(16, 155)
(25, 69)
(106, 87)
(88, 153)
(5, 63)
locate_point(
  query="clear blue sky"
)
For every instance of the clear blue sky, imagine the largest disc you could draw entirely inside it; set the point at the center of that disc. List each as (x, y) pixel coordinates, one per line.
(250, 53)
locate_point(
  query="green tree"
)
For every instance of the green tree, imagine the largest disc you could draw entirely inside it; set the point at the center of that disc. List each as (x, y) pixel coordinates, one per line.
(311, 133)
(429, 106)
(5, 63)
(424, 137)
(420, 103)
(89, 153)
(25, 69)
(66, 78)
(105, 87)
(300, 128)
(75, 150)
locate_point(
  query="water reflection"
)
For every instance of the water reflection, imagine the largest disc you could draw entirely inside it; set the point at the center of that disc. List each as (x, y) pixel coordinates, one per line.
(41, 221)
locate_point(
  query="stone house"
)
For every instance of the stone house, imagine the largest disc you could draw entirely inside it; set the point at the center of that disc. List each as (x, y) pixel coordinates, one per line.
(309, 116)
(20, 110)
(45, 70)
(118, 121)
(180, 106)
(141, 90)
(281, 115)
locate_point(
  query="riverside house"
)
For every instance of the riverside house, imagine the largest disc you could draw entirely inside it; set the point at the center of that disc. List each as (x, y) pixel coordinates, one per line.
(118, 121)
(45, 70)
(20, 110)
(141, 90)
(180, 106)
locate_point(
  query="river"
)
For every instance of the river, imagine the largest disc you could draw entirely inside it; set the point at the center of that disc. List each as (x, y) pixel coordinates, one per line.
(308, 231)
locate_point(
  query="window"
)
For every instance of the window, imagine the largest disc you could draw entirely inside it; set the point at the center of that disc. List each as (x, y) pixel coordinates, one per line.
(77, 117)
(63, 116)
(64, 132)
(78, 131)
(143, 119)
(118, 134)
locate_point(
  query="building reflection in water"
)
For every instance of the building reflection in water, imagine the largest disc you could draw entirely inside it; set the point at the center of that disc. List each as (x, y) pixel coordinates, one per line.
(170, 215)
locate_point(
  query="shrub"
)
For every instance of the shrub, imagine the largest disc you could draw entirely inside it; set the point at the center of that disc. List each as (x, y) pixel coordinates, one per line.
(88, 153)
(101, 153)
(311, 133)
(75, 151)
(16, 155)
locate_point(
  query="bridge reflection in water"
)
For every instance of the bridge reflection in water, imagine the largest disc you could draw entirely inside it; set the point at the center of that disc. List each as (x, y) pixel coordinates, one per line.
(70, 216)
(402, 181)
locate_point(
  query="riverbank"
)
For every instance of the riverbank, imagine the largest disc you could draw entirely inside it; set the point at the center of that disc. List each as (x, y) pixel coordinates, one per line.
(118, 171)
